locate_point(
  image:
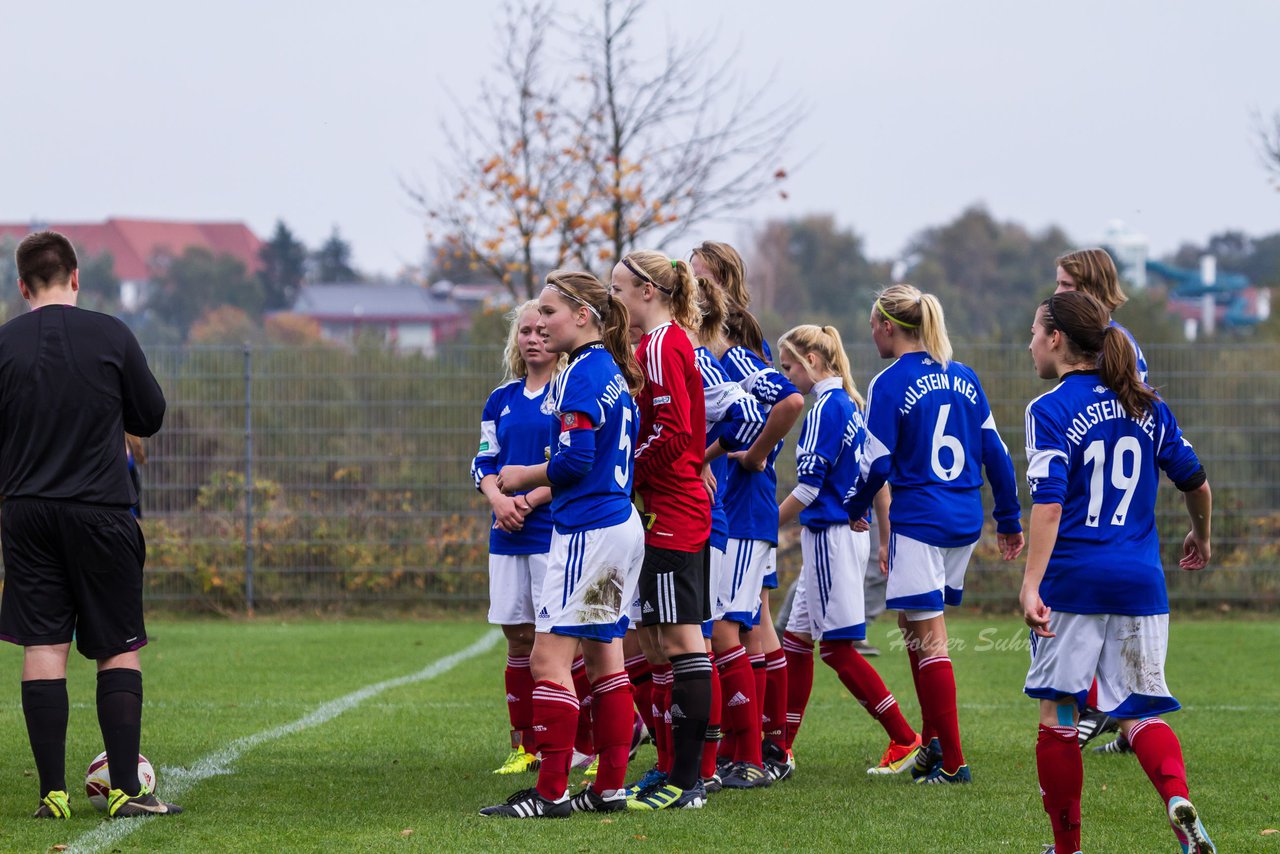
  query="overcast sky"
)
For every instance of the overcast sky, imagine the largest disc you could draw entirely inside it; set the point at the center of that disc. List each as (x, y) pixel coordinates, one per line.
(1070, 113)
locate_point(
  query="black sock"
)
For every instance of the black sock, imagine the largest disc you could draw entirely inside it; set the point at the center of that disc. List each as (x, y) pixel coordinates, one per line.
(690, 710)
(120, 718)
(44, 704)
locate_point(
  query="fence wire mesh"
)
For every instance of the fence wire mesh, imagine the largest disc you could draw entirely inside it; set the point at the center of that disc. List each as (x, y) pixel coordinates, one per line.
(325, 476)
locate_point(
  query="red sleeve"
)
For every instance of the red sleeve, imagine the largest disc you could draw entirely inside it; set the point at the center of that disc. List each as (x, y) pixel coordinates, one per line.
(665, 413)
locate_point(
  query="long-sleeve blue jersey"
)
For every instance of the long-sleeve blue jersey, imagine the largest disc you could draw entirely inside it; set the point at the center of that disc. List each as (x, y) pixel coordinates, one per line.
(831, 439)
(595, 492)
(1087, 454)
(751, 501)
(514, 430)
(734, 419)
(930, 433)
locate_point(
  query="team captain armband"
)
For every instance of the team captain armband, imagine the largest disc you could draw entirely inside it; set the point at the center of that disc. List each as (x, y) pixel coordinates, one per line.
(575, 421)
(1192, 482)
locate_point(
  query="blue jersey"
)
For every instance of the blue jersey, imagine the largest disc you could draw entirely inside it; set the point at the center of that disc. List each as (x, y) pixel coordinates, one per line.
(593, 386)
(514, 430)
(752, 497)
(734, 419)
(828, 453)
(1137, 351)
(930, 433)
(1085, 453)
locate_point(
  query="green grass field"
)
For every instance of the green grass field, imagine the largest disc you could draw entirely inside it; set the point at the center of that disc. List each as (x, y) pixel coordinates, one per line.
(405, 766)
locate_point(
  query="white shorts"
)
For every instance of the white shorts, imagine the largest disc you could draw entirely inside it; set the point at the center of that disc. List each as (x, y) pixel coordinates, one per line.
(829, 602)
(515, 583)
(770, 581)
(924, 577)
(738, 594)
(1126, 654)
(590, 575)
(715, 569)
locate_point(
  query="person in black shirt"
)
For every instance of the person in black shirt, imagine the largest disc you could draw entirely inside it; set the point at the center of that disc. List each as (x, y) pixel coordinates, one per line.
(71, 383)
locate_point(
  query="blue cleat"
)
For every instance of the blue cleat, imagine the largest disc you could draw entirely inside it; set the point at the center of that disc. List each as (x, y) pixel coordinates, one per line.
(937, 776)
(1186, 824)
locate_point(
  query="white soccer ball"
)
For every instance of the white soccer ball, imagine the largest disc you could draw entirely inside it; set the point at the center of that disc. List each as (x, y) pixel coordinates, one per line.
(97, 781)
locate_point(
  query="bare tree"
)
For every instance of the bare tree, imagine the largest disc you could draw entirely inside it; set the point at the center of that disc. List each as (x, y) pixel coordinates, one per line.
(1269, 138)
(511, 198)
(581, 168)
(674, 145)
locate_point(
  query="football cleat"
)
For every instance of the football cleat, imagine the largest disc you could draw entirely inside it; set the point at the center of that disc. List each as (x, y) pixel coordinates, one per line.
(652, 779)
(897, 758)
(120, 805)
(1186, 823)
(1052, 849)
(744, 775)
(54, 805)
(518, 762)
(1117, 746)
(939, 777)
(777, 770)
(927, 760)
(668, 797)
(1093, 724)
(527, 803)
(723, 765)
(712, 784)
(589, 800)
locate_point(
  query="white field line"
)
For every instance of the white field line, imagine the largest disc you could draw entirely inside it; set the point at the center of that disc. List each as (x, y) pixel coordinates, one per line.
(178, 781)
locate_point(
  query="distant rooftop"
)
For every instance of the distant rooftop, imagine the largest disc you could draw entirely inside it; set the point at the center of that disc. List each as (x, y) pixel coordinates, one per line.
(133, 243)
(350, 300)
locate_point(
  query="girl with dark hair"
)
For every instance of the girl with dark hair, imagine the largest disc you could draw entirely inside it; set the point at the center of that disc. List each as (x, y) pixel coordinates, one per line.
(1094, 592)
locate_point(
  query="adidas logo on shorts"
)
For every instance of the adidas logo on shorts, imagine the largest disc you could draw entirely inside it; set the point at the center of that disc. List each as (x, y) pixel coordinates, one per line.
(544, 615)
(676, 711)
(738, 699)
(648, 608)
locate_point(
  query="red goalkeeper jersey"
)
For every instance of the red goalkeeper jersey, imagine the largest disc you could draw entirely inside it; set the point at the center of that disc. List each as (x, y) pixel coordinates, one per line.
(673, 438)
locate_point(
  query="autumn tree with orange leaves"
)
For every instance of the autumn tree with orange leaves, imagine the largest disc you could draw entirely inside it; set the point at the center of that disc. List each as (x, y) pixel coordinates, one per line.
(579, 152)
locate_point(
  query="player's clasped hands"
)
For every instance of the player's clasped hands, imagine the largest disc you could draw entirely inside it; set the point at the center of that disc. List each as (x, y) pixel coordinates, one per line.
(1010, 545)
(509, 513)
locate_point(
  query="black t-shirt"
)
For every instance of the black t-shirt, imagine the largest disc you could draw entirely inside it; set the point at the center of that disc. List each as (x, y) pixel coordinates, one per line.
(71, 383)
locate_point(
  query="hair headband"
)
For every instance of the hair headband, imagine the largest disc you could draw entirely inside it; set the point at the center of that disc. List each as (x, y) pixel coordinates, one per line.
(591, 308)
(889, 316)
(645, 277)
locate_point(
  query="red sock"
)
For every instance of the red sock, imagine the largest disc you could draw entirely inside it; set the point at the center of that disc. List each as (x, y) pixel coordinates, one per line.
(938, 699)
(1092, 700)
(519, 681)
(713, 727)
(761, 675)
(662, 715)
(774, 708)
(582, 741)
(742, 717)
(1061, 773)
(799, 683)
(641, 673)
(612, 715)
(1160, 753)
(927, 732)
(867, 688)
(555, 717)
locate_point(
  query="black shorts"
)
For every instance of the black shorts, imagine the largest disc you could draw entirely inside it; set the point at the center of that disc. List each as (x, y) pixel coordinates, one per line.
(72, 571)
(675, 587)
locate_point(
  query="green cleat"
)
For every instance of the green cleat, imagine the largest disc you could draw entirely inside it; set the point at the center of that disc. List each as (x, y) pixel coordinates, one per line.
(120, 805)
(54, 805)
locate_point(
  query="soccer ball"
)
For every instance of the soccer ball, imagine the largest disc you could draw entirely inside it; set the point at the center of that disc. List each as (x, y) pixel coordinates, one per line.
(97, 782)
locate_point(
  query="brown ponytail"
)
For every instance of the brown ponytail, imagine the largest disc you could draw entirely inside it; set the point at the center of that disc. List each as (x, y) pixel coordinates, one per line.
(674, 281)
(743, 330)
(710, 329)
(1085, 323)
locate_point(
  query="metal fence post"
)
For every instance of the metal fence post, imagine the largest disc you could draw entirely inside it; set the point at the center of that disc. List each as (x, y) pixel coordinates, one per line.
(248, 478)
